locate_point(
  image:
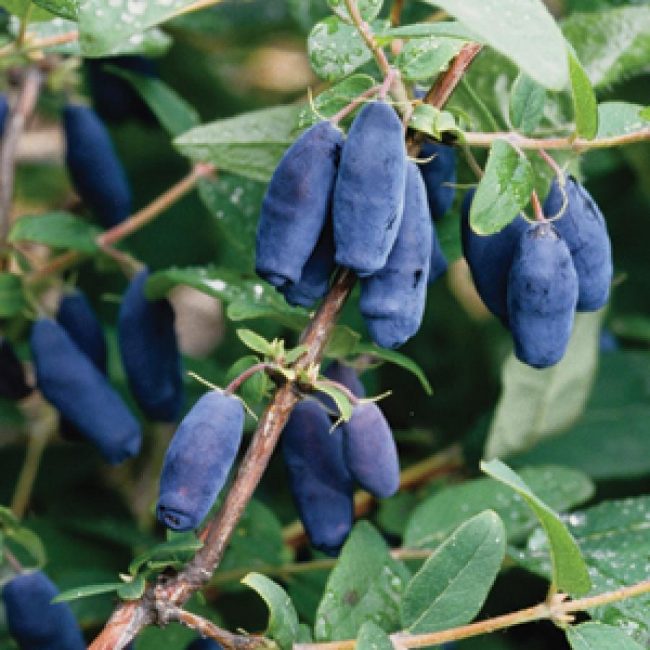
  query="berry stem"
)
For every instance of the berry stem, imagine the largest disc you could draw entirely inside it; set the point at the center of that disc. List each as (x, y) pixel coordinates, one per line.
(357, 101)
(537, 207)
(237, 383)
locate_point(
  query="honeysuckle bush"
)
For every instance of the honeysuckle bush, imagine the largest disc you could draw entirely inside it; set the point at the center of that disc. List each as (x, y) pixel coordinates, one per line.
(558, 524)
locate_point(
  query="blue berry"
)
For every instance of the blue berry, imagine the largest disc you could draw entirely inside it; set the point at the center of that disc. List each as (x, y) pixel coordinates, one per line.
(297, 204)
(542, 296)
(392, 300)
(199, 459)
(33, 621)
(149, 351)
(318, 478)
(346, 375)
(439, 176)
(584, 230)
(438, 265)
(204, 644)
(95, 169)
(12, 375)
(369, 192)
(4, 111)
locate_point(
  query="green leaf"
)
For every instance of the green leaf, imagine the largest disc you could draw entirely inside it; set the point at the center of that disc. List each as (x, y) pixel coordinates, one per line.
(372, 637)
(250, 144)
(87, 591)
(255, 387)
(621, 118)
(132, 590)
(174, 114)
(332, 100)
(645, 113)
(596, 636)
(522, 30)
(432, 121)
(340, 399)
(336, 49)
(12, 300)
(342, 342)
(368, 9)
(64, 8)
(424, 58)
(447, 28)
(585, 104)
(613, 44)
(366, 584)
(537, 404)
(255, 342)
(7, 518)
(30, 542)
(399, 359)
(527, 99)
(180, 546)
(503, 191)
(569, 573)
(283, 619)
(58, 230)
(19, 8)
(452, 585)
(437, 516)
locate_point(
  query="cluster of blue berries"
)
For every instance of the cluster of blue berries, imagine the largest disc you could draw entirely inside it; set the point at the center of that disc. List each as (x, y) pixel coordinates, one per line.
(359, 203)
(534, 277)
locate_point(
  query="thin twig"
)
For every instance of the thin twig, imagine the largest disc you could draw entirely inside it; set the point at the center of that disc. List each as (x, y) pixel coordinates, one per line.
(366, 34)
(36, 445)
(355, 103)
(238, 381)
(537, 207)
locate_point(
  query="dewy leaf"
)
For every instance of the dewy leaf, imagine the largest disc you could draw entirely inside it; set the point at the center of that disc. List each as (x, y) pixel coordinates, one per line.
(283, 619)
(366, 584)
(19, 8)
(448, 28)
(527, 99)
(503, 191)
(522, 30)
(537, 404)
(64, 8)
(452, 585)
(621, 118)
(372, 637)
(438, 515)
(250, 144)
(12, 299)
(424, 58)
(585, 104)
(368, 9)
(58, 230)
(569, 571)
(596, 636)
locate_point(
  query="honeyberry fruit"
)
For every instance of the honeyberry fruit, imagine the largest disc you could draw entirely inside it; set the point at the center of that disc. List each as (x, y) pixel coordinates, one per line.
(297, 204)
(149, 351)
(199, 459)
(4, 111)
(438, 265)
(319, 481)
(542, 296)
(78, 319)
(95, 170)
(392, 300)
(369, 192)
(370, 452)
(33, 621)
(439, 176)
(489, 258)
(204, 644)
(346, 375)
(12, 375)
(81, 393)
(584, 230)
(315, 277)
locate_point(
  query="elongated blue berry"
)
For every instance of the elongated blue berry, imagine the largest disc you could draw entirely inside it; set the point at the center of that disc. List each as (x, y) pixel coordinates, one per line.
(315, 277)
(81, 393)
(95, 170)
(12, 375)
(370, 452)
(439, 176)
(489, 258)
(149, 351)
(369, 193)
(78, 319)
(33, 621)
(297, 204)
(438, 266)
(204, 644)
(199, 459)
(4, 111)
(320, 483)
(392, 300)
(584, 230)
(542, 296)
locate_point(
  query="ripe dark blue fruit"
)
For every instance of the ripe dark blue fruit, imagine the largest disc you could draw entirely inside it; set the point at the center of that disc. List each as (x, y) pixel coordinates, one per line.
(95, 169)
(199, 459)
(4, 111)
(204, 644)
(542, 296)
(438, 266)
(439, 176)
(35, 623)
(369, 193)
(318, 478)
(69, 380)
(315, 277)
(78, 319)
(392, 300)
(297, 204)
(584, 230)
(12, 375)
(114, 99)
(149, 351)
(489, 258)
(370, 452)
